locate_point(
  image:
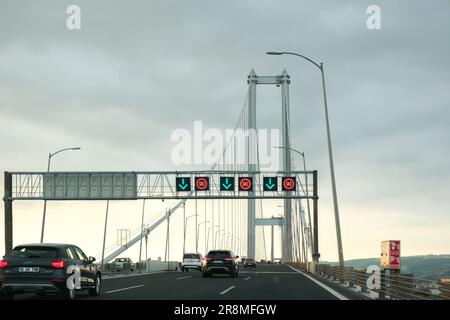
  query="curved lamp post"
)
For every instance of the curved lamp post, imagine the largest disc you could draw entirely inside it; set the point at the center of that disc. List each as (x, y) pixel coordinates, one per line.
(50, 155)
(330, 152)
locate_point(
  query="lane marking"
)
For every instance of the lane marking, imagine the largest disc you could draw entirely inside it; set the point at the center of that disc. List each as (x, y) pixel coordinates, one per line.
(181, 278)
(109, 277)
(324, 286)
(230, 288)
(123, 289)
(247, 278)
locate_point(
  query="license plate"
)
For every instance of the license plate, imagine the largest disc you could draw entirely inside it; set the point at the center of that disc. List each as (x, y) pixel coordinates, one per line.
(29, 269)
(218, 261)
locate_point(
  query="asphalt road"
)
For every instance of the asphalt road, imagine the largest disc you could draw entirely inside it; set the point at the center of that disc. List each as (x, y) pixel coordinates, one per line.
(265, 282)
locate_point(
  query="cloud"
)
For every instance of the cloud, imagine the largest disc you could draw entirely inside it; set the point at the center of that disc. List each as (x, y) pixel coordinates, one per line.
(136, 72)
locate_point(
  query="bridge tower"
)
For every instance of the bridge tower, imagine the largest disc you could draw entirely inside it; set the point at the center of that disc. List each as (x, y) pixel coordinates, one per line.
(282, 81)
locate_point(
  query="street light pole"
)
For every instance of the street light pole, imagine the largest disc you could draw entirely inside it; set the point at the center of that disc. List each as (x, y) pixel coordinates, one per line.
(50, 155)
(184, 237)
(207, 240)
(217, 236)
(305, 189)
(330, 151)
(198, 231)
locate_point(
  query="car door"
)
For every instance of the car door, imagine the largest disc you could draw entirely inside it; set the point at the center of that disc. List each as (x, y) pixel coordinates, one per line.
(87, 278)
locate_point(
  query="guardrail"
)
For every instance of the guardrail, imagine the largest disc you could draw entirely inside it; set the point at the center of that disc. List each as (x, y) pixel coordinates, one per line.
(385, 285)
(140, 267)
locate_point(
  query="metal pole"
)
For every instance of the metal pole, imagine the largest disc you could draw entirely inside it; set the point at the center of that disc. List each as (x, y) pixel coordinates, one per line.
(330, 152)
(104, 232)
(316, 254)
(196, 227)
(287, 252)
(50, 155)
(272, 243)
(142, 230)
(8, 213)
(206, 245)
(146, 249)
(166, 255)
(45, 202)
(251, 163)
(333, 179)
(307, 199)
(184, 228)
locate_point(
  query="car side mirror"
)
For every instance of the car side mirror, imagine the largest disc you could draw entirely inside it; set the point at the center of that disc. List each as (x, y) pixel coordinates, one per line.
(91, 259)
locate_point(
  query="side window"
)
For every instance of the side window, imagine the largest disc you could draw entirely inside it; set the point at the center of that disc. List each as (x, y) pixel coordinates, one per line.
(80, 254)
(70, 253)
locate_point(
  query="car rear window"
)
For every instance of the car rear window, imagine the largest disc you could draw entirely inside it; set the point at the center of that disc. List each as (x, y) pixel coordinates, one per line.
(31, 252)
(191, 256)
(219, 254)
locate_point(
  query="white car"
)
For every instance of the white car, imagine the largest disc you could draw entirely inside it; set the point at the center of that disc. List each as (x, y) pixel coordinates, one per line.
(192, 261)
(124, 263)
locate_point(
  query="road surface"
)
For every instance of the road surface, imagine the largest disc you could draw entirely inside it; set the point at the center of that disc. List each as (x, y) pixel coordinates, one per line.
(265, 282)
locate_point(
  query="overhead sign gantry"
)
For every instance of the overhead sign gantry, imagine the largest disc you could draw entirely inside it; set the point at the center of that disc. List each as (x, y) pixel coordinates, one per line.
(163, 185)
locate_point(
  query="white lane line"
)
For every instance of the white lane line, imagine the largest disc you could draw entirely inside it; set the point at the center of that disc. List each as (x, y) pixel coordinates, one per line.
(123, 289)
(333, 292)
(181, 278)
(109, 277)
(247, 278)
(225, 291)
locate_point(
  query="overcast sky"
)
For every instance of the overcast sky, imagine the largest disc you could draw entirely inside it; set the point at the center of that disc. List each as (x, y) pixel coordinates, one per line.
(137, 71)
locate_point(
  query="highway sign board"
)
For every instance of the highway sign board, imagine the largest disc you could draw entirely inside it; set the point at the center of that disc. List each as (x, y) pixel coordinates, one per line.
(270, 183)
(288, 183)
(226, 183)
(390, 255)
(86, 185)
(246, 184)
(201, 183)
(183, 183)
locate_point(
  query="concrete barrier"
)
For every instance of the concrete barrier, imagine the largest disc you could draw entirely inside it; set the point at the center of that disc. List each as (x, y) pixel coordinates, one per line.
(152, 266)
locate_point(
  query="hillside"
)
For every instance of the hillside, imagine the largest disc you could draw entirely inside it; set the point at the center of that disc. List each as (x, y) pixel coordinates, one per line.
(424, 267)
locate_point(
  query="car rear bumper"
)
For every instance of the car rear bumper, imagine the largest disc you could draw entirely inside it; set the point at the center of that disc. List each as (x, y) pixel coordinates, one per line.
(219, 269)
(191, 266)
(23, 287)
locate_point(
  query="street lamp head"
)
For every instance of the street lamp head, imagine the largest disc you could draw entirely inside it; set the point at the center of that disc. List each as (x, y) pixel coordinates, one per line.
(274, 53)
(76, 148)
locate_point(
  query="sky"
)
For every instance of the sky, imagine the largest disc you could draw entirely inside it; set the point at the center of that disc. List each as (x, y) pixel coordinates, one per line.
(137, 71)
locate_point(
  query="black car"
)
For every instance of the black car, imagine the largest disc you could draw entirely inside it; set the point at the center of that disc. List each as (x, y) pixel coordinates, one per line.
(46, 268)
(221, 262)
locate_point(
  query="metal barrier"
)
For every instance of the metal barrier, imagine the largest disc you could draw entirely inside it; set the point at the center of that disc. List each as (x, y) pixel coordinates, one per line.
(140, 267)
(385, 285)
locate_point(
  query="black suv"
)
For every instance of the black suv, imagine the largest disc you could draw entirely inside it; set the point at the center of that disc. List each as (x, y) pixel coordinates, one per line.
(46, 267)
(220, 261)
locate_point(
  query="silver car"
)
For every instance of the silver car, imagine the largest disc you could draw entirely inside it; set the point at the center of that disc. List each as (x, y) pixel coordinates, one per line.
(124, 264)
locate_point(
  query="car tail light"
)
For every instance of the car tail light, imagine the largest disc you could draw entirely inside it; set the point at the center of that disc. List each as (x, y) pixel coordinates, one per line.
(58, 264)
(229, 259)
(3, 264)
